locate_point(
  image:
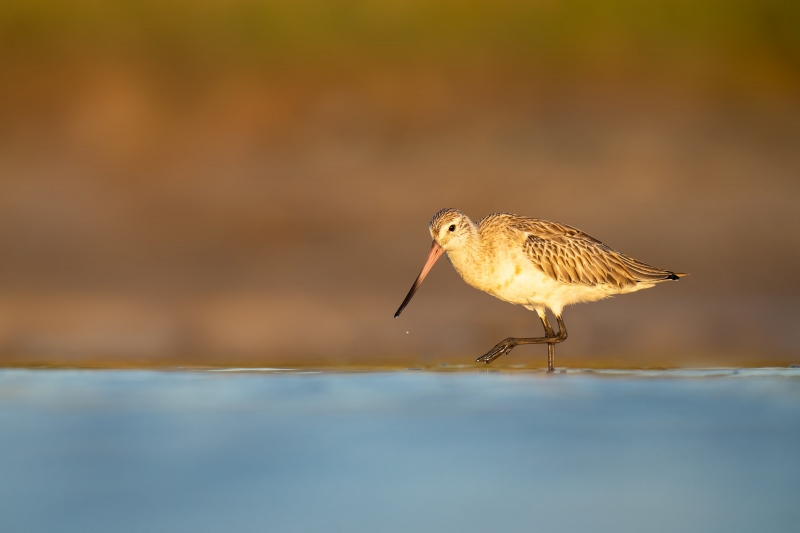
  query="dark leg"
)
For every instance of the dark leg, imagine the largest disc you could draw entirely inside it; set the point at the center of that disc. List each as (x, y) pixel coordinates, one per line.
(551, 347)
(548, 329)
(551, 339)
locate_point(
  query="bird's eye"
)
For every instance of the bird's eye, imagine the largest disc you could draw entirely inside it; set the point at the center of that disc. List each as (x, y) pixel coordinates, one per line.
(452, 227)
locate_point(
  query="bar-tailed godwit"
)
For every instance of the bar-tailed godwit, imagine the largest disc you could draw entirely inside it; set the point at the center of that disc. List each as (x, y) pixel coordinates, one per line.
(534, 263)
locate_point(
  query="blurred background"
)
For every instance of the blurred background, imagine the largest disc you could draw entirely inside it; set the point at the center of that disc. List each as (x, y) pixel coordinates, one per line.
(249, 182)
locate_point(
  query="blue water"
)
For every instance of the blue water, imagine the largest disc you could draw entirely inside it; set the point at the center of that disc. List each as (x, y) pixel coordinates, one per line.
(131, 451)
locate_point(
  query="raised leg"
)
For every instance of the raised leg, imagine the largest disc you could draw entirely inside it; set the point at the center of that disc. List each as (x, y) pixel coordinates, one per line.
(551, 339)
(548, 329)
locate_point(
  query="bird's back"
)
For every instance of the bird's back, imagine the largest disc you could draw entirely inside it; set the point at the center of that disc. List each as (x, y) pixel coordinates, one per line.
(567, 255)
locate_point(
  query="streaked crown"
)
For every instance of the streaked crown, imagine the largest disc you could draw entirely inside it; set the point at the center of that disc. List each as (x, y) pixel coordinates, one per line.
(449, 227)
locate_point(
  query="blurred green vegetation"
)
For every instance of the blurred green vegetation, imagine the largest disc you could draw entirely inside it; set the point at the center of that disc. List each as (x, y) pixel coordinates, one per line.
(727, 36)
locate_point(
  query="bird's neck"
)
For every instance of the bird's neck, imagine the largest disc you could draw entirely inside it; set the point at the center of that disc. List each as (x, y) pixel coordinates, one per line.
(466, 258)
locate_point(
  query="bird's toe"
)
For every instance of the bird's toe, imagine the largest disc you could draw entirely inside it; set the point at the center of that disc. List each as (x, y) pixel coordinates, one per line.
(501, 349)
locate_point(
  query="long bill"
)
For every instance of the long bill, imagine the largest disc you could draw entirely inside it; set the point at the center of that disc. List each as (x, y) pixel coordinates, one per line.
(434, 254)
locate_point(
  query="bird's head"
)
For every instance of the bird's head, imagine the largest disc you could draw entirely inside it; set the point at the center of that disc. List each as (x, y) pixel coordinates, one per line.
(450, 228)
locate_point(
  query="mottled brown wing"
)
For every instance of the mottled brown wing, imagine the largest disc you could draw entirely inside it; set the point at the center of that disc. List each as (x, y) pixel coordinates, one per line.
(569, 255)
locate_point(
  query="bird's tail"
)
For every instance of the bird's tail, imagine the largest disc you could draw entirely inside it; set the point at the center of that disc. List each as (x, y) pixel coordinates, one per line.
(645, 272)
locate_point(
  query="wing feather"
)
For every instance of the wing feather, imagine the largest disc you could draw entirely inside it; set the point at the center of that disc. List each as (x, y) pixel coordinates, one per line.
(569, 255)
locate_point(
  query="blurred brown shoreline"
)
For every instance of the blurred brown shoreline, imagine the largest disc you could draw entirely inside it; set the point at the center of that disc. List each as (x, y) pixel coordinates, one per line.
(244, 184)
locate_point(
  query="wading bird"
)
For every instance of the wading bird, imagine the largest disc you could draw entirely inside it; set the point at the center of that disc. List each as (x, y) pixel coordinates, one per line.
(534, 263)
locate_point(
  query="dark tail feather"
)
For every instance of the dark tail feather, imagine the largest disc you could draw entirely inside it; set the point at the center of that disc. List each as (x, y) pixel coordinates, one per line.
(645, 272)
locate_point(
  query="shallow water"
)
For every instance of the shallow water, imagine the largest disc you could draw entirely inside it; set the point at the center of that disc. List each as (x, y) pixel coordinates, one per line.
(276, 450)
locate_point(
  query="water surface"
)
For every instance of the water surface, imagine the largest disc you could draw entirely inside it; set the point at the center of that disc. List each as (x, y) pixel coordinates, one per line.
(133, 451)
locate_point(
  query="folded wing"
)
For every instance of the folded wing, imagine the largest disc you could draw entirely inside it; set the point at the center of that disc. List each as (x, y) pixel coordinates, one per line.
(569, 255)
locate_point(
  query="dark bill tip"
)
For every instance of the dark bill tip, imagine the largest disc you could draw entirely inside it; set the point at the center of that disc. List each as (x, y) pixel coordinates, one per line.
(434, 254)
